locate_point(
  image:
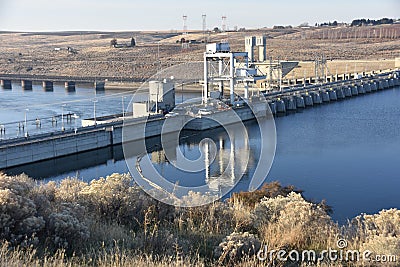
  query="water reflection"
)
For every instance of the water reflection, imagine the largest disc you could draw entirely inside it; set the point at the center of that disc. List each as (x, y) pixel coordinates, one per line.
(224, 160)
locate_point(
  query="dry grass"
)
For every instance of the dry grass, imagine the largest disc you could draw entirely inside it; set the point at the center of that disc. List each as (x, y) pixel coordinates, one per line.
(35, 53)
(111, 222)
(307, 69)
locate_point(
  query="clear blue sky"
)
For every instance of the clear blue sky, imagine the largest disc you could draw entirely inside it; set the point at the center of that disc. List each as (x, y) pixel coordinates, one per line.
(51, 15)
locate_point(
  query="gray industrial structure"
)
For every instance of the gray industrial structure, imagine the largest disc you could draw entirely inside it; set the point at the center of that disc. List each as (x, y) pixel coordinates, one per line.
(273, 70)
(161, 99)
(259, 42)
(162, 94)
(223, 66)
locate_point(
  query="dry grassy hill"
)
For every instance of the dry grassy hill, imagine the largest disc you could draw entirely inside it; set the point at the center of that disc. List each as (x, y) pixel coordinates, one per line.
(46, 53)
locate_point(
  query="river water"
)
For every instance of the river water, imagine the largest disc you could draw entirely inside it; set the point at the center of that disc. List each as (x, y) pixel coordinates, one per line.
(346, 152)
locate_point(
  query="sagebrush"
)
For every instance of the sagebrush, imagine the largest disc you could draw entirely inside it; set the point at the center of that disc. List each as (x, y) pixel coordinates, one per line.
(112, 222)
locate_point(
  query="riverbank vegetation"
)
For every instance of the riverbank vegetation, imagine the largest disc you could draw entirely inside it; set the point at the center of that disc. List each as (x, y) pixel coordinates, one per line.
(111, 222)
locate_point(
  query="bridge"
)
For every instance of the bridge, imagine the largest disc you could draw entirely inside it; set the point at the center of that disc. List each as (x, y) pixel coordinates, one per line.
(69, 81)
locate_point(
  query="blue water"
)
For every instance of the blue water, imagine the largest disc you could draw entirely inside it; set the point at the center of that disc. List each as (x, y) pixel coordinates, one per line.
(346, 152)
(43, 105)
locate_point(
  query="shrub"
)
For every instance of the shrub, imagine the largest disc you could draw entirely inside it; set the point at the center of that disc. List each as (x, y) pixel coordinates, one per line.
(111, 198)
(236, 247)
(268, 190)
(19, 220)
(379, 233)
(111, 222)
(70, 190)
(113, 42)
(66, 228)
(115, 199)
(293, 222)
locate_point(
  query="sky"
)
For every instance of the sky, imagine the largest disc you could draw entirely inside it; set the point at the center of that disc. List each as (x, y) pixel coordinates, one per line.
(130, 15)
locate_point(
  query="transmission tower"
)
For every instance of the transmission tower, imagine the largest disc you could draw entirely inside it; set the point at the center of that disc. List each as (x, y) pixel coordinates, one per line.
(204, 17)
(223, 23)
(184, 24)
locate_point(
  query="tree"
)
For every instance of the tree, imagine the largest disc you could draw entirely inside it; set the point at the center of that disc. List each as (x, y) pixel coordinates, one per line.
(113, 42)
(361, 22)
(304, 24)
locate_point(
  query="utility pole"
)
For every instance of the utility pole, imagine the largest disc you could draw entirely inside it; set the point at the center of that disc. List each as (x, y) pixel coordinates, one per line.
(62, 117)
(94, 111)
(26, 126)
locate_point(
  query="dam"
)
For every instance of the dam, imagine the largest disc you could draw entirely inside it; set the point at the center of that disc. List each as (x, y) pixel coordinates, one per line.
(35, 148)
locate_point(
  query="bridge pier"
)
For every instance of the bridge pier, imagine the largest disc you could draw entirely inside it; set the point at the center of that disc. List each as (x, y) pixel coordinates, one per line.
(340, 93)
(99, 86)
(316, 98)
(325, 96)
(272, 106)
(280, 106)
(308, 101)
(70, 86)
(332, 94)
(48, 85)
(6, 84)
(300, 101)
(26, 85)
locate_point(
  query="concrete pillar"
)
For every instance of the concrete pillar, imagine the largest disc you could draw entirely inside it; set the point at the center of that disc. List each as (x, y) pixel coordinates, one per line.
(99, 86)
(262, 53)
(70, 86)
(232, 78)
(205, 86)
(221, 83)
(6, 84)
(26, 84)
(261, 42)
(250, 42)
(246, 90)
(47, 85)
